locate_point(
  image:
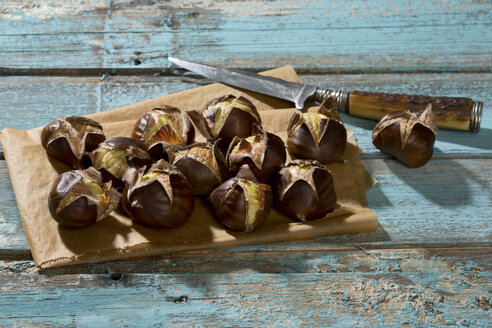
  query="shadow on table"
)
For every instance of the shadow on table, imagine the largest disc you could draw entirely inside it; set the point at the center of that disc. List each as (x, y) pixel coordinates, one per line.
(480, 140)
(443, 181)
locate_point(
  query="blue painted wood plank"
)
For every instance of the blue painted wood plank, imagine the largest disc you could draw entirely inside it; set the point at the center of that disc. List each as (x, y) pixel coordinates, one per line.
(414, 206)
(419, 289)
(328, 35)
(47, 98)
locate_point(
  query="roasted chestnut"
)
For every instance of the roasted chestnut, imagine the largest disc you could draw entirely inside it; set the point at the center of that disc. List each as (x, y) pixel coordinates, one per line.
(226, 117)
(319, 136)
(160, 198)
(203, 165)
(79, 198)
(161, 127)
(407, 136)
(304, 190)
(262, 153)
(70, 138)
(242, 204)
(119, 158)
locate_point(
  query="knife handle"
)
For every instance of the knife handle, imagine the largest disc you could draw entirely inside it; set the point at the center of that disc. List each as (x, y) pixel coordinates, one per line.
(452, 113)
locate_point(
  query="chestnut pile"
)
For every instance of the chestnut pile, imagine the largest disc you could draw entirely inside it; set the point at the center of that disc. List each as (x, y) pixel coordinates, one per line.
(156, 174)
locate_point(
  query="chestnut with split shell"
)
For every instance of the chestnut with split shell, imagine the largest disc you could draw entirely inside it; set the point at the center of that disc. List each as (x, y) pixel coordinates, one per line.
(262, 153)
(70, 138)
(304, 190)
(407, 136)
(203, 165)
(160, 198)
(119, 158)
(79, 198)
(318, 136)
(161, 127)
(242, 204)
(225, 118)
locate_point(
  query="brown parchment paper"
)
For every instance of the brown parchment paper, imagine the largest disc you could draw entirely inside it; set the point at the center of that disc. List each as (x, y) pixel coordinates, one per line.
(32, 173)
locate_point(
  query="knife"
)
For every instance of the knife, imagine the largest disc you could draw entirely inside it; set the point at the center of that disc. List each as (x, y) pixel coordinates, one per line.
(452, 112)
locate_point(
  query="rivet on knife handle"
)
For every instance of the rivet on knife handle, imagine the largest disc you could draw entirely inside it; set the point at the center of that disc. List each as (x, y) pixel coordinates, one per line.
(452, 113)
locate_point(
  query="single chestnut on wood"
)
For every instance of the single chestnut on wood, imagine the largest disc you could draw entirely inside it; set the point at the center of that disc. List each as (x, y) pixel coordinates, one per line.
(160, 198)
(79, 198)
(161, 127)
(319, 136)
(262, 153)
(203, 165)
(226, 117)
(70, 138)
(304, 190)
(407, 136)
(119, 158)
(242, 204)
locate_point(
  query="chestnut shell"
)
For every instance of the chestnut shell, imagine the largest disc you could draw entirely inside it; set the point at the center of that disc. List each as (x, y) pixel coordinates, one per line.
(230, 204)
(238, 122)
(332, 136)
(136, 157)
(72, 145)
(304, 196)
(149, 204)
(81, 212)
(203, 165)
(419, 146)
(164, 136)
(263, 156)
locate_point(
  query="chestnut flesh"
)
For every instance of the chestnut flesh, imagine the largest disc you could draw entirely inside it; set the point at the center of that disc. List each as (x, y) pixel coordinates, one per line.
(119, 158)
(161, 127)
(70, 138)
(226, 117)
(262, 153)
(79, 198)
(242, 204)
(203, 164)
(160, 198)
(304, 190)
(407, 136)
(318, 136)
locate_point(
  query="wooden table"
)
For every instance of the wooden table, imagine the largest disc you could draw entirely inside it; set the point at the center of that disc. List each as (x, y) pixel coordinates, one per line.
(427, 265)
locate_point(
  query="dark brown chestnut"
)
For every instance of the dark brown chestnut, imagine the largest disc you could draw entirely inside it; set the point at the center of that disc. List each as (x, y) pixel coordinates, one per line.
(203, 165)
(262, 153)
(304, 190)
(119, 158)
(70, 138)
(407, 136)
(226, 117)
(319, 136)
(162, 127)
(242, 204)
(79, 198)
(160, 198)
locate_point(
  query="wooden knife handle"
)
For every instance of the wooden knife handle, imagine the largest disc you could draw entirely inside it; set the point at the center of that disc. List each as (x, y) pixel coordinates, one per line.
(452, 113)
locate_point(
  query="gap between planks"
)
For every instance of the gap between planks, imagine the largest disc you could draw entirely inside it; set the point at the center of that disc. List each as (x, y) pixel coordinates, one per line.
(173, 72)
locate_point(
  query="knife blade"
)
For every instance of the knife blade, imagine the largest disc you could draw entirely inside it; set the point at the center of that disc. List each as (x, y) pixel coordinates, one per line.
(455, 113)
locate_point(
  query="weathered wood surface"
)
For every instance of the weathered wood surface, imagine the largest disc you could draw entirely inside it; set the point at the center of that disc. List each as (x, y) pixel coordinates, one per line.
(420, 287)
(420, 206)
(328, 35)
(427, 265)
(47, 98)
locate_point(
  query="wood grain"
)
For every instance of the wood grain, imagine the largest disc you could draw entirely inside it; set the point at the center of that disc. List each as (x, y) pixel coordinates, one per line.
(329, 35)
(47, 98)
(421, 287)
(413, 205)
